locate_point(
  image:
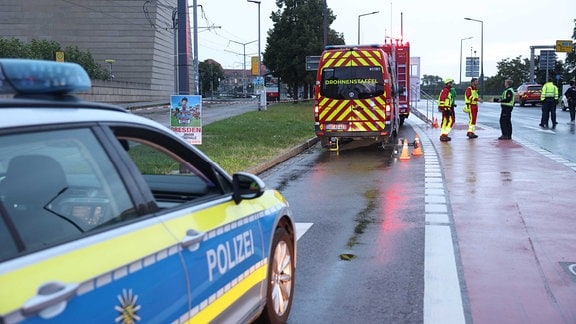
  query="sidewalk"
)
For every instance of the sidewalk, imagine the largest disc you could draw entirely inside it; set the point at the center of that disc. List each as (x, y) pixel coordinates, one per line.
(512, 208)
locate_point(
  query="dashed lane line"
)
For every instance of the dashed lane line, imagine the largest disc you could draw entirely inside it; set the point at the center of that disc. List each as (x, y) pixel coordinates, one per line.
(301, 229)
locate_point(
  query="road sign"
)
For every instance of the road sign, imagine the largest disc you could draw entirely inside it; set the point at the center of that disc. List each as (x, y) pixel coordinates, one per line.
(312, 63)
(59, 56)
(547, 59)
(255, 65)
(472, 67)
(564, 46)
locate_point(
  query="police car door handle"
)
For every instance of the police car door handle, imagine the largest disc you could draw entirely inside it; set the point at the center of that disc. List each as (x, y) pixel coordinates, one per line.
(50, 300)
(192, 239)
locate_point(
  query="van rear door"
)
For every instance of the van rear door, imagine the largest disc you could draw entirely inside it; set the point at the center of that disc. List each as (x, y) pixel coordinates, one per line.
(352, 98)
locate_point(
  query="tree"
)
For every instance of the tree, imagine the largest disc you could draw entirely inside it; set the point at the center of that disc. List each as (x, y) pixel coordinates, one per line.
(13, 48)
(211, 73)
(94, 70)
(46, 50)
(517, 70)
(297, 33)
(570, 62)
(431, 80)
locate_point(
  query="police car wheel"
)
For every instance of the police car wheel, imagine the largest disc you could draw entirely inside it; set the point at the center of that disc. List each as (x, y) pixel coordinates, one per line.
(280, 279)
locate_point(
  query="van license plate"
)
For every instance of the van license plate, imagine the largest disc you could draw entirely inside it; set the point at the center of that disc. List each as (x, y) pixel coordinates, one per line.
(336, 126)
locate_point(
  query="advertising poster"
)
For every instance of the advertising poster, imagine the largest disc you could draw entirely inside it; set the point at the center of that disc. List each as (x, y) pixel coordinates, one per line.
(186, 117)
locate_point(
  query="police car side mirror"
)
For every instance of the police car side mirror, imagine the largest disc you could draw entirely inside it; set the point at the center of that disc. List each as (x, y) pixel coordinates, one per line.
(246, 186)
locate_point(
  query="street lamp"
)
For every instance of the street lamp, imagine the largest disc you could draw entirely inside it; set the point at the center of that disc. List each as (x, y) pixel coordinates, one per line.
(481, 54)
(262, 99)
(362, 15)
(111, 76)
(244, 69)
(460, 75)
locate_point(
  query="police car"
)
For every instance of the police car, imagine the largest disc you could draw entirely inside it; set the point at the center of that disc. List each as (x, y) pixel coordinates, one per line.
(109, 217)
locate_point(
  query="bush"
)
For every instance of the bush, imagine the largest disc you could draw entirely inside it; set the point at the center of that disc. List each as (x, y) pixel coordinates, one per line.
(46, 50)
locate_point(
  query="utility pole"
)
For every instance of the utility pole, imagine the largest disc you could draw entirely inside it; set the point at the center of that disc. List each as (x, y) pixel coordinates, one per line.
(262, 99)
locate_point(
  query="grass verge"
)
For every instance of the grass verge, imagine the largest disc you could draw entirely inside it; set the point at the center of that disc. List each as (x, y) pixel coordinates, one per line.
(247, 140)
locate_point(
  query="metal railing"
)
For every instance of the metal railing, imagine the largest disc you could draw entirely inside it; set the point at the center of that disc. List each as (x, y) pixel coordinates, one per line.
(426, 105)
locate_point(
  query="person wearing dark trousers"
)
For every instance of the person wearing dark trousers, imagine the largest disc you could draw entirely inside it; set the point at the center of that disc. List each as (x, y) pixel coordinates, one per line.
(549, 98)
(571, 97)
(506, 105)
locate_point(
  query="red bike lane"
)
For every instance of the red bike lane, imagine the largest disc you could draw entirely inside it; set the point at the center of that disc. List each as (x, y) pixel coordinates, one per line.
(513, 213)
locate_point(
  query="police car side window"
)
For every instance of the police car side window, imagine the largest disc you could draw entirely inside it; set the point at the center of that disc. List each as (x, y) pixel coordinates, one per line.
(8, 244)
(171, 179)
(57, 186)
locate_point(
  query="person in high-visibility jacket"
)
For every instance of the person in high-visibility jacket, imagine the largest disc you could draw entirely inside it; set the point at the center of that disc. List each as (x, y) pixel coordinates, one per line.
(471, 100)
(549, 98)
(506, 106)
(446, 106)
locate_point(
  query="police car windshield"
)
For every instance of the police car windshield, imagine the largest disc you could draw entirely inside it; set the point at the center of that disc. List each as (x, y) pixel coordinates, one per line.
(352, 82)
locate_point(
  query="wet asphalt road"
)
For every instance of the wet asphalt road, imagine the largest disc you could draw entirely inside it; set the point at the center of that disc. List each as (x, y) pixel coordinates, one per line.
(364, 204)
(459, 235)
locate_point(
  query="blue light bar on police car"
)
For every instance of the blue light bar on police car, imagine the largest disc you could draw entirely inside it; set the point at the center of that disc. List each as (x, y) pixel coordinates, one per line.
(29, 77)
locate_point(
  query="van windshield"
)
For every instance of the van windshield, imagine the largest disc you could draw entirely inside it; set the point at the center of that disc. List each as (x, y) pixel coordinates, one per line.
(352, 82)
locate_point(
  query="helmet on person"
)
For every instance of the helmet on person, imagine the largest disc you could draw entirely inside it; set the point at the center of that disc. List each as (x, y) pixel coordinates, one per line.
(448, 80)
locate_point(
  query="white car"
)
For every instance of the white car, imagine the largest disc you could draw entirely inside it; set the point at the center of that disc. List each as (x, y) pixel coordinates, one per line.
(564, 99)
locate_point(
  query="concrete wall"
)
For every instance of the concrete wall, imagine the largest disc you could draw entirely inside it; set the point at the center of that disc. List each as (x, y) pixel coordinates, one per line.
(137, 35)
(124, 93)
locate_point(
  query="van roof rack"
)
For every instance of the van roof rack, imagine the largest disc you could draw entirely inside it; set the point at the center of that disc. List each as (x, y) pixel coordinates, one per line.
(331, 47)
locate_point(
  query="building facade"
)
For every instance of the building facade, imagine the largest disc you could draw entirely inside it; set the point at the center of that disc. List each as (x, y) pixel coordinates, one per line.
(135, 39)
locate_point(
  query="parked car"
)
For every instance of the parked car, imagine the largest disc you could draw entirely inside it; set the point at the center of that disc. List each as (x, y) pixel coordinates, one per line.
(528, 93)
(110, 217)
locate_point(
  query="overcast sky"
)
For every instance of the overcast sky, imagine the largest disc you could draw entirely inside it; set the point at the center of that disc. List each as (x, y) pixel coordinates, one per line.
(435, 29)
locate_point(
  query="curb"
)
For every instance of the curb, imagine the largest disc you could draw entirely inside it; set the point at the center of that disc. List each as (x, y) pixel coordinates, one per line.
(283, 157)
(303, 147)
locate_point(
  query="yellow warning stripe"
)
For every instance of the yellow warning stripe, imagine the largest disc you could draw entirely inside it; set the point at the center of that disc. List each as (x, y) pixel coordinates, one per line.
(352, 58)
(206, 313)
(340, 111)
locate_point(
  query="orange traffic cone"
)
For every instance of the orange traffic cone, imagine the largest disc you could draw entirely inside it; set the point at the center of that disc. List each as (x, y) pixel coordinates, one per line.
(417, 151)
(405, 155)
(434, 122)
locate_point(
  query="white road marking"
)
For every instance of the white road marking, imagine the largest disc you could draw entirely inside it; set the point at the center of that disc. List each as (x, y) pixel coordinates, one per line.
(442, 292)
(301, 229)
(442, 296)
(572, 268)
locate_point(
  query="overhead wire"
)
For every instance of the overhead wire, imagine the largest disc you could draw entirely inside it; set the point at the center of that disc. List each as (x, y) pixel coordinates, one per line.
(219, 38)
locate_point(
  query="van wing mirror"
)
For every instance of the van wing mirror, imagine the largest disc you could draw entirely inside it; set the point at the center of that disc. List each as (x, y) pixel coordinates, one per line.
(246, 186)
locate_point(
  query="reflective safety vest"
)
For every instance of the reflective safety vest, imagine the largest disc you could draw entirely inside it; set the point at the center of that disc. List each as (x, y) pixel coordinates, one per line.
(507, 103)
(471, 96)
(445, 99)
(549, 90)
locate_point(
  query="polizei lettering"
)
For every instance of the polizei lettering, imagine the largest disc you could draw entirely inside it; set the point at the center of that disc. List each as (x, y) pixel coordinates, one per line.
(229, 254)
